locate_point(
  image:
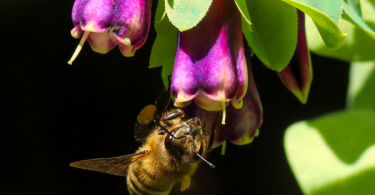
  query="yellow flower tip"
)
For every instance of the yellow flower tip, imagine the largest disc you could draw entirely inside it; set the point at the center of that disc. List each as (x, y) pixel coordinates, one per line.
(244, 140)
(300, 96)
(237, 103)
(79, 47)
(75, 33)
(224, 113)
(128, 52)
(257, 133)
(181, 104)
(127, 42)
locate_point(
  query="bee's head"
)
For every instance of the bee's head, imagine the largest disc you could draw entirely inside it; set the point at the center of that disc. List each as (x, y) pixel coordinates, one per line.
(187, 141)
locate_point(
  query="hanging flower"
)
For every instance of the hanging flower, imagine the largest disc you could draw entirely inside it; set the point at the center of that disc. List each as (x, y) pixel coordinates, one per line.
(108, 23)
(210, 66)
(242, 124)
(297, 76)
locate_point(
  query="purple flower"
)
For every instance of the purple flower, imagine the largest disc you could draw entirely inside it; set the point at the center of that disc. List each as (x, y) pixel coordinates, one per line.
(210, 65)
(297, 76)
(242, 124)
(108, 23)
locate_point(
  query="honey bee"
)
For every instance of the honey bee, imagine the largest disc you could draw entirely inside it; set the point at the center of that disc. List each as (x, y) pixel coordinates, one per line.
(168, 157)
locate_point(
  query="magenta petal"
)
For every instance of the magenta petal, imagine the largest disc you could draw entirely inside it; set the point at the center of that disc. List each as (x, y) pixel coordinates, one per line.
(185, 77)
(77, 10)
(242, 124)
(133, 17)
(210, 58)
(96, 15)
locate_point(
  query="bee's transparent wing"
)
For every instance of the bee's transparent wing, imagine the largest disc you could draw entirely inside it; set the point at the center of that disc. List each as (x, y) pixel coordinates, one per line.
(115, 165)
(143, 129)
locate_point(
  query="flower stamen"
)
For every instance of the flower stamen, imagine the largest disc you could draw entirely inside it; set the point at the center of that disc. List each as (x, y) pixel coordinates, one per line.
(79, 47)
(224, 113)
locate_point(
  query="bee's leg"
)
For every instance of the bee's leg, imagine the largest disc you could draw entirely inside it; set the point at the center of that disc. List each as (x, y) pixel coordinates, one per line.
(190, 190)
(176, 114)
(185, 183)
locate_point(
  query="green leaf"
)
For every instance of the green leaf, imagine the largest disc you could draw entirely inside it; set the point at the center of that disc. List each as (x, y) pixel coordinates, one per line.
(274, 32)
(358, 46)
(165, 45)
(326, 16)
(334, 154)
(185, 14)
(242, 7)
(356, 5)
(352, 15)
(361, 92)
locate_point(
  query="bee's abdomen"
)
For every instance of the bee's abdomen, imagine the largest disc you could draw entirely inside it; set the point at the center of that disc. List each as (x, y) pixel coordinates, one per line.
(141, 182)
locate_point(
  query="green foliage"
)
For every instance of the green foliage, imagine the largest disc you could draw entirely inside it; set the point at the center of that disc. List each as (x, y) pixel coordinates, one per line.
(358, 24)
(326, 16)
(165, 45)
(356, 5)
(361, 93)
(185, 14)
(358, 46)
(352, 14)
(274, 32)
(334, 154)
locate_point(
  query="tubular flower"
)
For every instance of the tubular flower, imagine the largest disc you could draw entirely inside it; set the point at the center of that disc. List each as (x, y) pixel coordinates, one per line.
(210, 65)
(242, 124)
(108, 23)
(297, 76)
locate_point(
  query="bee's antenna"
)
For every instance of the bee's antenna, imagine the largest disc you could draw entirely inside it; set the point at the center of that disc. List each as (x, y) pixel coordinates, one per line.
(192, 148)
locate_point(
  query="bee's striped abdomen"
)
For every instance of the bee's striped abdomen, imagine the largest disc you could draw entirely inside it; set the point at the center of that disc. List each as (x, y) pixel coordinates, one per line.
(141, 182)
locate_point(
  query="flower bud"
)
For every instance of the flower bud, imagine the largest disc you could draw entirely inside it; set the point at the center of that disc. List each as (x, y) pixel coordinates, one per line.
(297, 76)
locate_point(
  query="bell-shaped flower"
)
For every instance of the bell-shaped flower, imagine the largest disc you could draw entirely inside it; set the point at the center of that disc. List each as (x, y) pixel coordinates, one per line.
(242, 124)
(108, 23)
(297, 76)
(210, 65)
